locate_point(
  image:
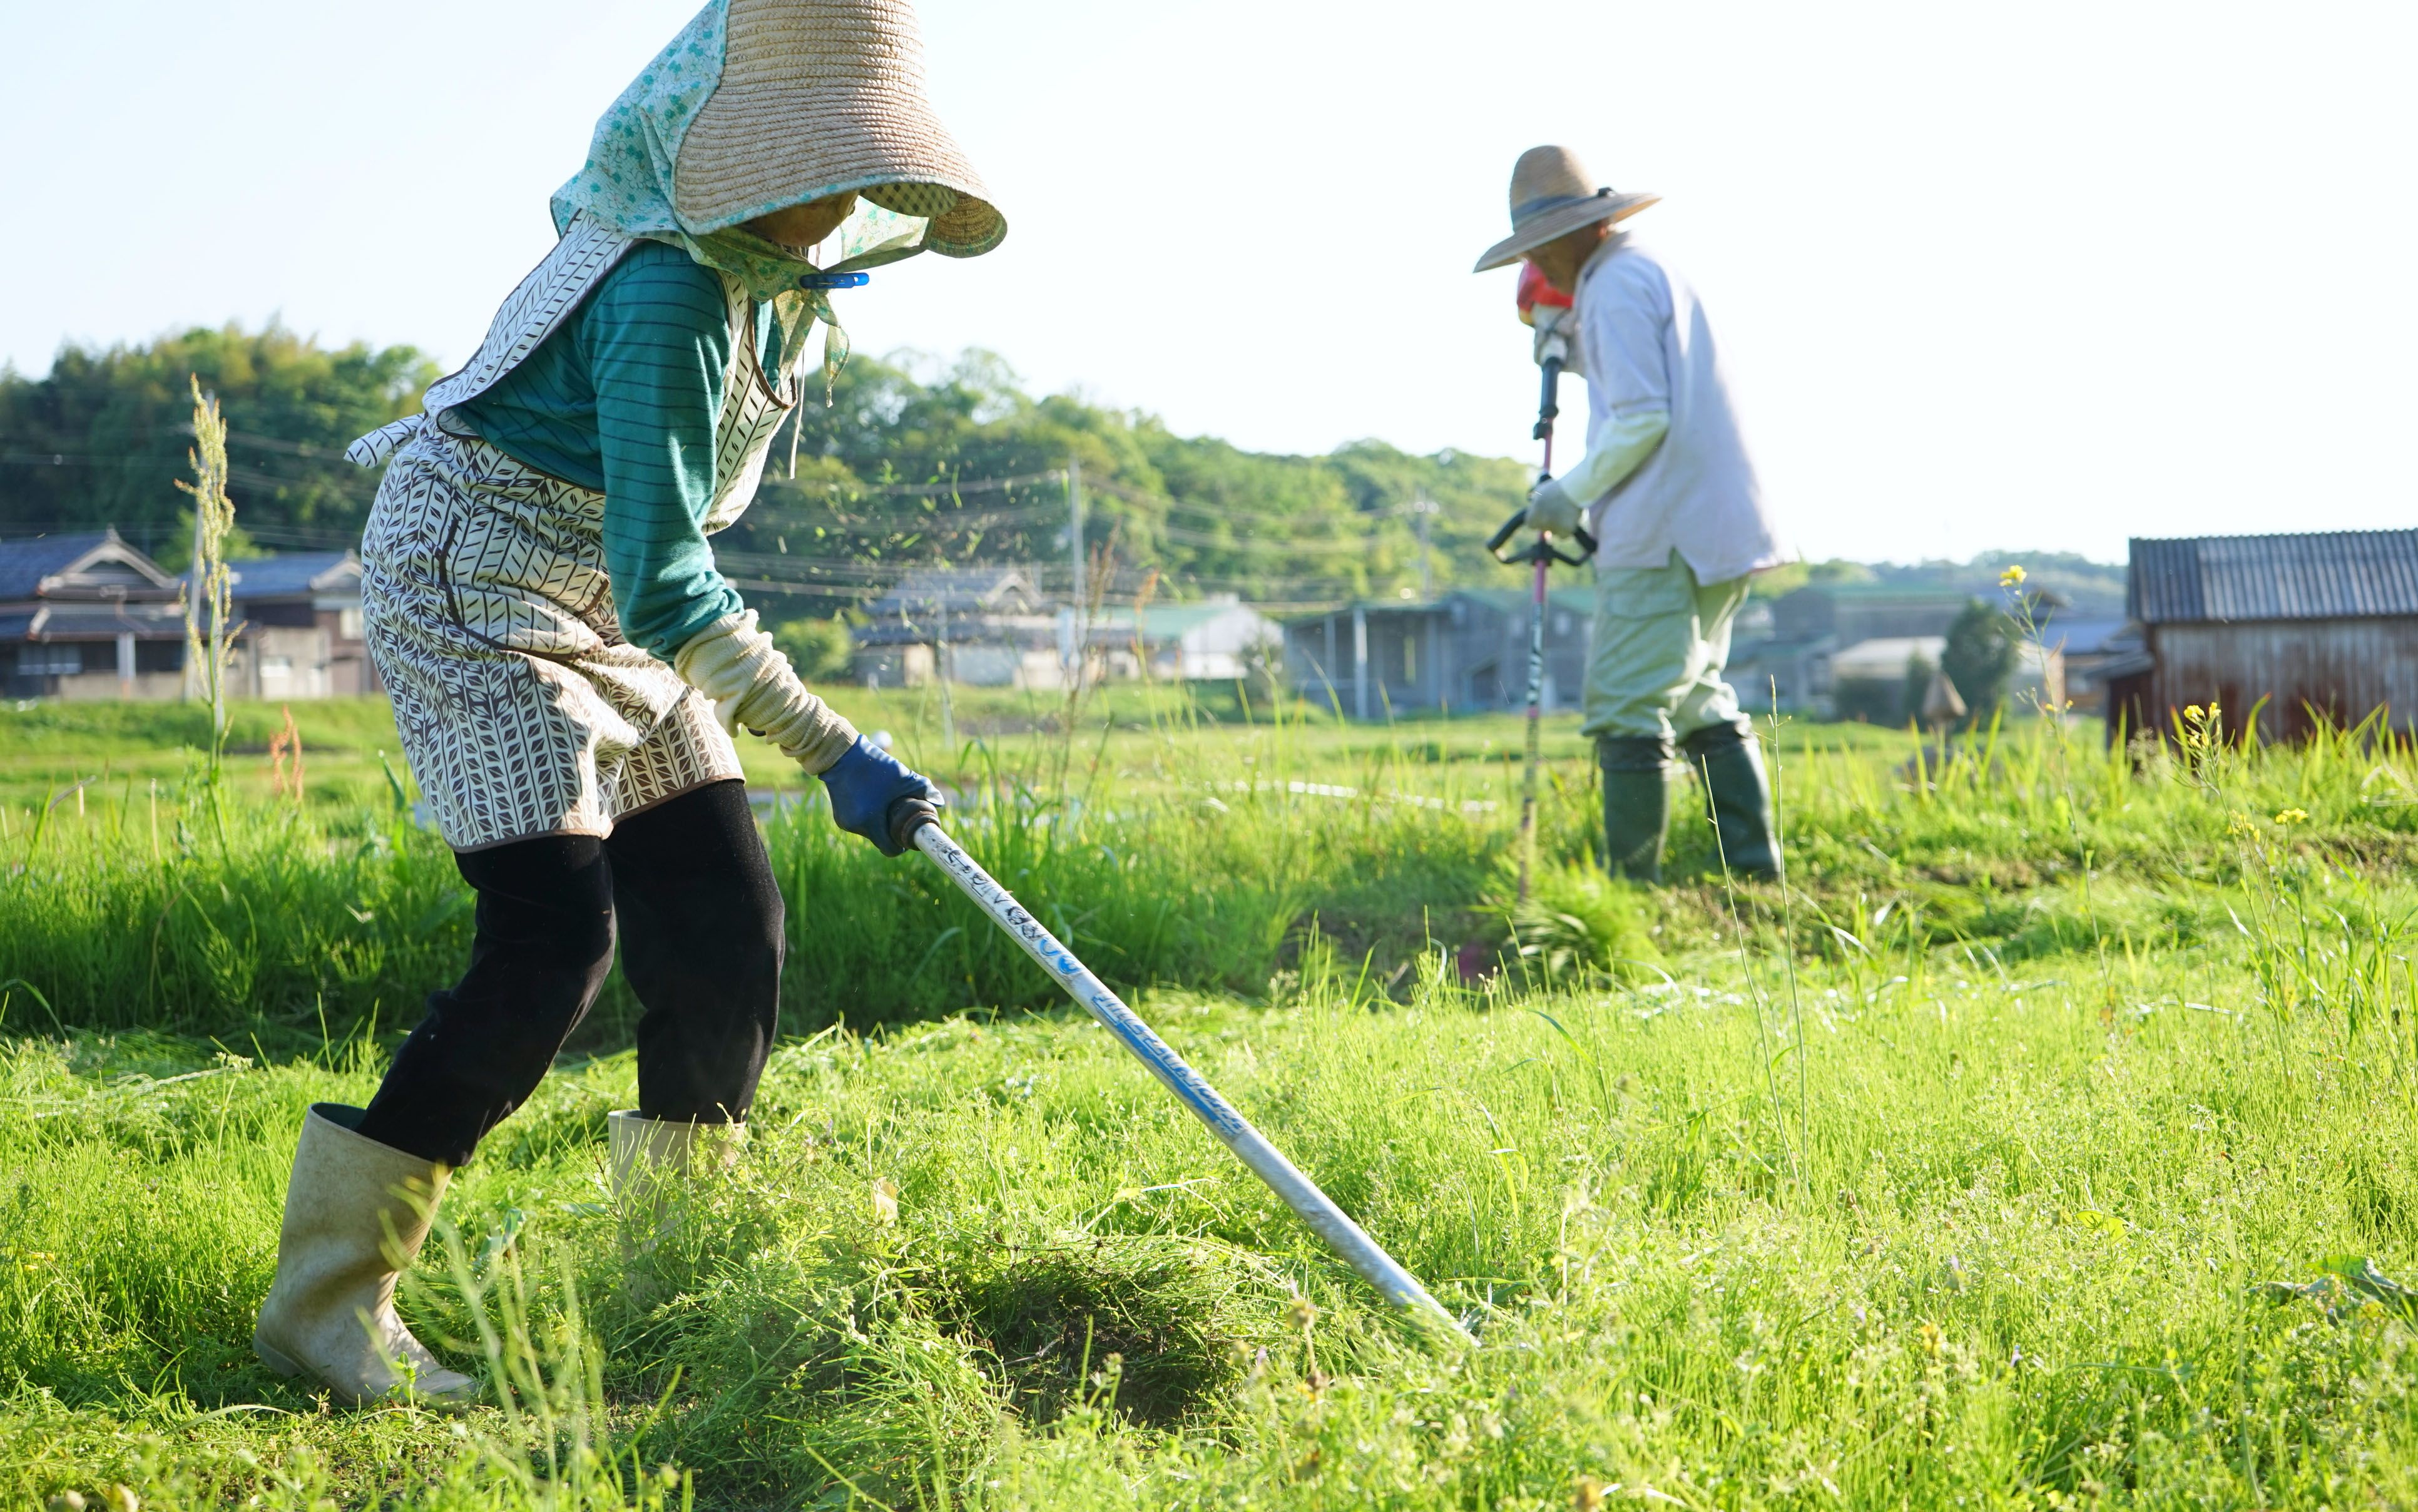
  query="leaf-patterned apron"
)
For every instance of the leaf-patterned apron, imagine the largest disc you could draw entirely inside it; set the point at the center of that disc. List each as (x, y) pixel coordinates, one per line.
(486, 606)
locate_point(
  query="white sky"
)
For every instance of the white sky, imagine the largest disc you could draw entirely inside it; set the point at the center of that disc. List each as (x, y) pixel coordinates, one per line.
(2041, 275)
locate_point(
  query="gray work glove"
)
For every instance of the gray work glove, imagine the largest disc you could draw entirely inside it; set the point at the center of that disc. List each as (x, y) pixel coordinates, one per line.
(1550, 508)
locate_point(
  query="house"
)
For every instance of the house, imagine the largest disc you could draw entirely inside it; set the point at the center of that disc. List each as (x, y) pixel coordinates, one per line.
(2290, 631)
(2087, 645)
(1465, 650)
(985, 626)
(87, 616)
(1794, 674)
(300, 636)
(1217, 639)
(1871, 679)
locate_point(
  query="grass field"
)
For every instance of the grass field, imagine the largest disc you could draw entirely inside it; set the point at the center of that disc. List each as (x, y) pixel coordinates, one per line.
(2043, 1143)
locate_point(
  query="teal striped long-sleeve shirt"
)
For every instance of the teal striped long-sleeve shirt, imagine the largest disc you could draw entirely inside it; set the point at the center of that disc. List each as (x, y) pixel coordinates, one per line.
(622, 398)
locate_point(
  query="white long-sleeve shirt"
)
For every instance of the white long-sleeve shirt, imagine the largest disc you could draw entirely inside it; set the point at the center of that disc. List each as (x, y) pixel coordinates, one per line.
(1687, 484)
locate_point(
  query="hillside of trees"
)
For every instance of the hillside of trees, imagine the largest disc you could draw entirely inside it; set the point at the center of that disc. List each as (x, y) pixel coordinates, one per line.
(903, 469)
(2073, 583)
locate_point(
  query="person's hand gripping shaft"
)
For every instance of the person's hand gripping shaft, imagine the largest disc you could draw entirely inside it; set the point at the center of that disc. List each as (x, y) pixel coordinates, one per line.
(753, 687)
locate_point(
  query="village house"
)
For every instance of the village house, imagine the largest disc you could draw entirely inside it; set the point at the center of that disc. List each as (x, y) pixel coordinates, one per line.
(1883, 680)
(1216, 639)
(985, 626)
(87, 616)
(1465, 650)
(301, 618)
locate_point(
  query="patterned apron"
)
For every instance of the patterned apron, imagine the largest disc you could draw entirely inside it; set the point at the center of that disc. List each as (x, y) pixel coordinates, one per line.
(486, 606)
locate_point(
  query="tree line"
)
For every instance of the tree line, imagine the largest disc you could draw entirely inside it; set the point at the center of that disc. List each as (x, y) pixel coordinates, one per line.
(876, 489)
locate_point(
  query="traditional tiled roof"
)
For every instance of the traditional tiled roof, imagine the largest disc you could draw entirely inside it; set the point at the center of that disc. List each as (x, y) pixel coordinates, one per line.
(23, 563)
(293, 574)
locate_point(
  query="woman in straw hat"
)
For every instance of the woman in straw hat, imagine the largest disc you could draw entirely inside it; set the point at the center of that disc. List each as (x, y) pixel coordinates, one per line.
(1675, 507)
(565, 661)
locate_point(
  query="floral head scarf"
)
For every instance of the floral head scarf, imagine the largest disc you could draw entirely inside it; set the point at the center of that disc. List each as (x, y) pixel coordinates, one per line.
(626, 184)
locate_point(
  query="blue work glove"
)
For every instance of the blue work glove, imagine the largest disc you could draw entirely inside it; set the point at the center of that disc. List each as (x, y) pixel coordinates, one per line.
(863, 785)
(1550, 508)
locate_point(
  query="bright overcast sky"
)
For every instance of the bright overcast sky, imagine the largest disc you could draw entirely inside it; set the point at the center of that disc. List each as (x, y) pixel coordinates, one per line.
(2039, 276)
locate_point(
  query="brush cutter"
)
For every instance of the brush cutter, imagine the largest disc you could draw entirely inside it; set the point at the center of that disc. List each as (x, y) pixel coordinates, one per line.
(916, 823)
(1553, 351)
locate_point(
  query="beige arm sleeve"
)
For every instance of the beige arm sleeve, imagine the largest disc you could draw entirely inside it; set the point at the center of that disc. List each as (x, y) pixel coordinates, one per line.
(753, 687)
(1618, 449)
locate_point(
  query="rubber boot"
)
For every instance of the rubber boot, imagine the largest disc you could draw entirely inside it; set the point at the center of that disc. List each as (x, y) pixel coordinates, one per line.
(653, 1162)
(1636, 803)
(356, 1214)
(1729, 761)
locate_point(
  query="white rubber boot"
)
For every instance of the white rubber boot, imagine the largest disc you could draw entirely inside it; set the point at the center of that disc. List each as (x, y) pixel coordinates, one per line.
(355, 1215)
(652, 1156)
(653, 1162)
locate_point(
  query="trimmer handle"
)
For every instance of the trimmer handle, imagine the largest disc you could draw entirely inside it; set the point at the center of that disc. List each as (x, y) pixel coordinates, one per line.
(1511, 527)
(1541, 549)
(906, 817)
(1549, 403)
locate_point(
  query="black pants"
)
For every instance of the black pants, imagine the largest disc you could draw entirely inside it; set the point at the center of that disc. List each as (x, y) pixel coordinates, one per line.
(700, 925)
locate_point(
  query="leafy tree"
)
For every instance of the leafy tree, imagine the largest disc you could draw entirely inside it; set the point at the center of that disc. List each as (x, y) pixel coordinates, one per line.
(820, 649)
(1204, 516)
(101, 439)
(1919, 673)
(1980, 657)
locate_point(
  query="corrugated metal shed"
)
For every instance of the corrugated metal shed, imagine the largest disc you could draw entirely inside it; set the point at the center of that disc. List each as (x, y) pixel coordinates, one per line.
(2343, 574)
(2286, 632)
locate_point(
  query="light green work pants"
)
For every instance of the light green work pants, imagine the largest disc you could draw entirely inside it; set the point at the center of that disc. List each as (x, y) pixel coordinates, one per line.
(1661, 641)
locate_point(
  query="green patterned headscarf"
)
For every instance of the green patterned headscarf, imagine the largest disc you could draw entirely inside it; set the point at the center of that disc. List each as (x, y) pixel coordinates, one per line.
(626, 184)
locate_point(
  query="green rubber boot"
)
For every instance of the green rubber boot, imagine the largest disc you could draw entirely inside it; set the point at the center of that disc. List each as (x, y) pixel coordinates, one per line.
(1737, 800)
(1636, 803)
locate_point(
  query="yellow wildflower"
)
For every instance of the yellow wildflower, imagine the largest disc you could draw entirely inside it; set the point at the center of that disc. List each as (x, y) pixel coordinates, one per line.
(2294, 816)
(2012, 577)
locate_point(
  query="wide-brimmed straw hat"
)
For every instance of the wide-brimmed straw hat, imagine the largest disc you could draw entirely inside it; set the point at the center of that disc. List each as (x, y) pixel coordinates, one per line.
(1551, 197)
(824, 96)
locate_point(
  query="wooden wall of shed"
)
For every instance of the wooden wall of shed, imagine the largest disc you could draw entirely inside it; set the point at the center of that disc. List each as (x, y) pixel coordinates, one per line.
(2334, 671)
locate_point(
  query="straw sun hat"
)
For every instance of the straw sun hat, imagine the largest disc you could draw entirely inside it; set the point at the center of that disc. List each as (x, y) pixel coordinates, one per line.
(763, 104)
(1551, 197)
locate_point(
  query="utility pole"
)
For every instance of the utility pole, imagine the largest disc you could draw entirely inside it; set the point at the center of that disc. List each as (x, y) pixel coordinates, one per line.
(195, 676)
(1359, 662)
(940, 666)
(1426, 509)
(1079, 606)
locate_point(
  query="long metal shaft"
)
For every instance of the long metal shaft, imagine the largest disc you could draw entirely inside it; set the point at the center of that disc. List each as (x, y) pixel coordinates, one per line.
(1545, 414)
(1536, 712)
(1266, 1162)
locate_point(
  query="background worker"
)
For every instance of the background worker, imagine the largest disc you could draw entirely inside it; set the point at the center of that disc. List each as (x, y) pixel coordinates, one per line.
(1668, 491)
(565, 661)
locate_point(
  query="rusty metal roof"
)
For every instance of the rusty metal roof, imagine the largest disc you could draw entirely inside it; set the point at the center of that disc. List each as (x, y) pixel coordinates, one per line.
(2339, 574)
